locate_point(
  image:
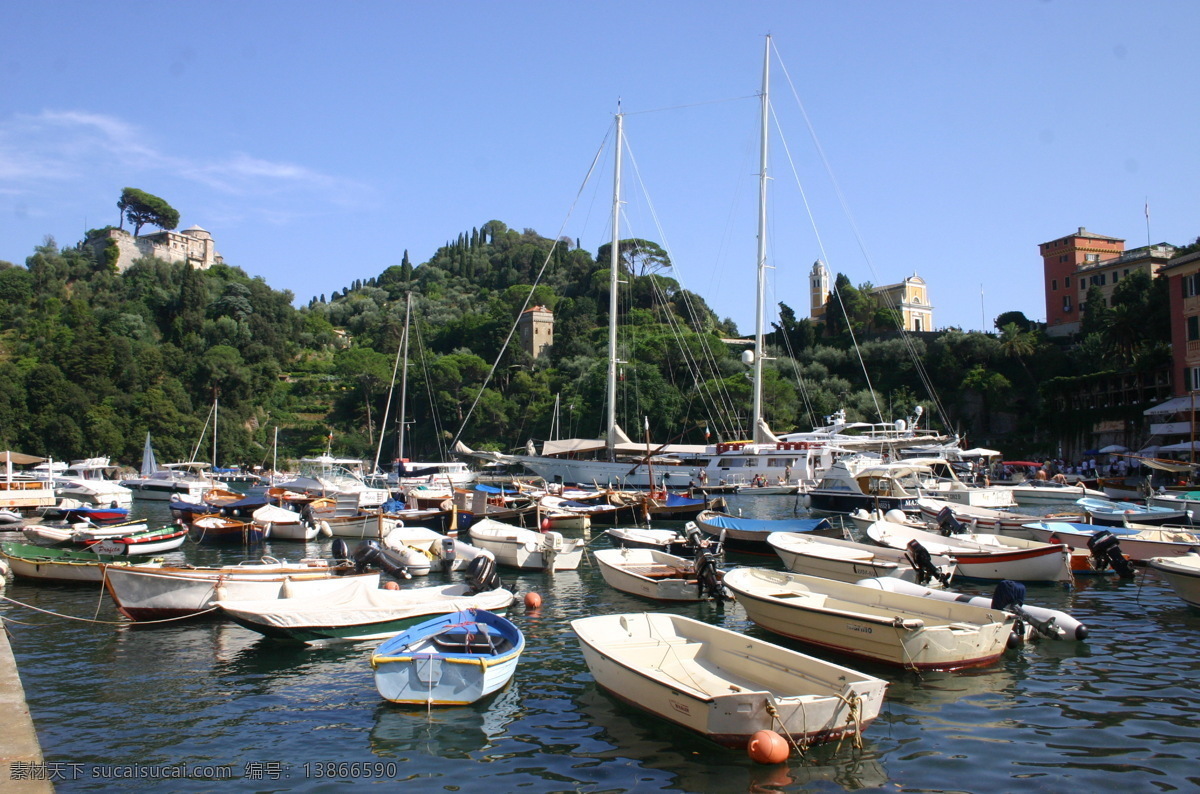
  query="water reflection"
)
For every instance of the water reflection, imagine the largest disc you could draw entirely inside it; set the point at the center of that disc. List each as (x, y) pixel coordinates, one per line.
(459, 732)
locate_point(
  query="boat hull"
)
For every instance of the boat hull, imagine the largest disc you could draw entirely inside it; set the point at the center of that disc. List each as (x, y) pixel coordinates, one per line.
(142, 594)
(1182, 574)
(524, 548)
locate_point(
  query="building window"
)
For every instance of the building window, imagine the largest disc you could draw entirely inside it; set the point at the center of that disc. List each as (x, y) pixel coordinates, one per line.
(1191, 285)
(1091, 258)
(1054, 285)
(1066, 282)
(1116, 277)
(1193, 328)
(1066, 303)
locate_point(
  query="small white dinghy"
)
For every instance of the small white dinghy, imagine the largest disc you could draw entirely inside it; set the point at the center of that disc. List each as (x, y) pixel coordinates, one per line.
(985, 556)
(661, 576)
(722, 684)
(893, 628)
(848, 561)
(448, 553)
(279, 523)
(524, 548)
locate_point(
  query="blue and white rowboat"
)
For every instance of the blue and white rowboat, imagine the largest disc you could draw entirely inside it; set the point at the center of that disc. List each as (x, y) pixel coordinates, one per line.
(452, 660)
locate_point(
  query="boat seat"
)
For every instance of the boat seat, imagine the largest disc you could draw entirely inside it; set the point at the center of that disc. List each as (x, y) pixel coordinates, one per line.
(658, 571)
(467, 642)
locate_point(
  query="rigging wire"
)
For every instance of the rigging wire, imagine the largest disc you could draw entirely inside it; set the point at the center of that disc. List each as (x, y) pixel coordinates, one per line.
(537, 279)
(905, 336)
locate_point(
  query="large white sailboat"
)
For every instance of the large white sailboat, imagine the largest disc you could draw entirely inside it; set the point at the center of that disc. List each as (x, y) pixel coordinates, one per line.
(796, 458)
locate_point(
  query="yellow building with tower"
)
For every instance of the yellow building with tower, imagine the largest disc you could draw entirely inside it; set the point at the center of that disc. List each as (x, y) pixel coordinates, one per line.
(909, 297)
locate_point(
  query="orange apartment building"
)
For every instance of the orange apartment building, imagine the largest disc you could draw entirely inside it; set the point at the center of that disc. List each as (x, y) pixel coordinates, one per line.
(1072, 265)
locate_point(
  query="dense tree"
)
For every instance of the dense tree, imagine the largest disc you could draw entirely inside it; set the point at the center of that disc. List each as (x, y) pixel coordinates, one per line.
(140, 208)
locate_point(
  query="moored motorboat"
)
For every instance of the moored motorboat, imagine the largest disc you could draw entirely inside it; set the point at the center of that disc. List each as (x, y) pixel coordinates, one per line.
(1048, 492)
(1118, 514)
(893, 628)
(450, 660)
(661, 576)
(1182, 574)
(666, 540)
(749, 535)
(849, 561)
(446, 552)
(1137, 543)
(279, 523)
(983, 555)
(524, 548)
(78, 533)
(982, 519)
(725, 685)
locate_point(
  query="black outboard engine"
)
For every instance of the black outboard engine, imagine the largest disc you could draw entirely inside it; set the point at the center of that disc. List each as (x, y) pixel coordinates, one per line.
(918, 557)
(948, 524)
(1106, 552)
(1010, 596)
(341, 552)
(482, 576)
(369, 552)
(447, 554)
(706, 563)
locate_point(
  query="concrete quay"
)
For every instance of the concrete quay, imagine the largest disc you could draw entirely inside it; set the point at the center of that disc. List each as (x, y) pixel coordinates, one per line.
(22, 769)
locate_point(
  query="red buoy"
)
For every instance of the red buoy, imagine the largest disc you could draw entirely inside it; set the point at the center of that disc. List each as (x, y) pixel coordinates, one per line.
(390, 585)
(768, 747)
(545, 525)
(532, 600)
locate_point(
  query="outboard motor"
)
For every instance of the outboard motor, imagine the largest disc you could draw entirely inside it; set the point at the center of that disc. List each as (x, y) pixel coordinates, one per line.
(482, 576)
(1106, 552)
(341, 551)
(918, 557)
(369, 552)
(448, 554)
(1010, 597)
(948, 524)
(707, 565)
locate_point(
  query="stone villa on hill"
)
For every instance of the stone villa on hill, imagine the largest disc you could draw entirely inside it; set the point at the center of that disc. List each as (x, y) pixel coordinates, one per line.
(193, 245)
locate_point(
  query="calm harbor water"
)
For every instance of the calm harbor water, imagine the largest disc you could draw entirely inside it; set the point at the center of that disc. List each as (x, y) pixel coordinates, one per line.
(1119, 711)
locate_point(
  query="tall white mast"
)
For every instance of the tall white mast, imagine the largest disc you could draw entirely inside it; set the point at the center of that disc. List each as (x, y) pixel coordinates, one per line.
(214, 434)
(614, 260)
(757, 432)
(404, 377)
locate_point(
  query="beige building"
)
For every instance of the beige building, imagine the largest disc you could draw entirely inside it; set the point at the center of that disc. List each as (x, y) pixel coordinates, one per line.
(909, 297)
(536, 326)
(193, 245)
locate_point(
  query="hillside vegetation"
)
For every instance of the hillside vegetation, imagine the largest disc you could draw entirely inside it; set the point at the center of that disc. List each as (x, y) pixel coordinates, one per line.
(90, 360)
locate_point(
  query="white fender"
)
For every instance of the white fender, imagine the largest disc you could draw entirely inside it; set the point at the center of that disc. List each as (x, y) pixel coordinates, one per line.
(326, 530)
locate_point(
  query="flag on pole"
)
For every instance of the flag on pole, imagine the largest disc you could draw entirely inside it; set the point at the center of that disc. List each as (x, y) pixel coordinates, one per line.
(706, 433)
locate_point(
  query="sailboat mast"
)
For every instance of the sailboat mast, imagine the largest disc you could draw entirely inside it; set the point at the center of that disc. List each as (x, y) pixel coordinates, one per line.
(759, 348)
(614, 260)
(214, 433)
(404, 378)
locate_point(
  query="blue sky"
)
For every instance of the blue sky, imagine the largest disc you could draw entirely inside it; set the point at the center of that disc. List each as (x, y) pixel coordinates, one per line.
(318, 141)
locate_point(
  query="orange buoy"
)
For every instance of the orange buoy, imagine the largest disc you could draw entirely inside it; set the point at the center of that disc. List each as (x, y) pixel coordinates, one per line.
(532, 600)
(768, 747)
(545, 524)
(390, 586)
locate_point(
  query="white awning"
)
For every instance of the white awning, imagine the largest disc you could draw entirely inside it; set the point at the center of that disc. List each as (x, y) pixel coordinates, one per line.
(1173, 406)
